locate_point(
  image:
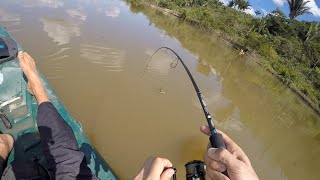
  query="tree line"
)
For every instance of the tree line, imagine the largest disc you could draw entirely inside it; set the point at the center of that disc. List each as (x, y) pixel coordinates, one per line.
(296, 7)
(284, 45)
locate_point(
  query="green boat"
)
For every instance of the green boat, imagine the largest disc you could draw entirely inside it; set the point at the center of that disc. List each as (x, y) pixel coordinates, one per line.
(19, 110)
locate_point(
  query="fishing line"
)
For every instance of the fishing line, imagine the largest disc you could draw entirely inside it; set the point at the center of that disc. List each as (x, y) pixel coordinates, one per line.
(216, 139)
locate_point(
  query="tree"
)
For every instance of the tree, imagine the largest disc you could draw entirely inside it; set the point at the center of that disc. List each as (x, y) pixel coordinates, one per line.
(239, 4)
(298, 7)
(232, 3)
(243, 5)
(279, 25)
(257, 12)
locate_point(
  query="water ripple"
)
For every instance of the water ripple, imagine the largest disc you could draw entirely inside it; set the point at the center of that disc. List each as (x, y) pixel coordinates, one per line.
(62, 50)
(110, 58)
(56, 63)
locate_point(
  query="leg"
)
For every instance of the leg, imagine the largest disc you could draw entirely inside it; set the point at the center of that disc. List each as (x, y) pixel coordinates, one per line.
(57, 139)
(60, 145)
(6, 145)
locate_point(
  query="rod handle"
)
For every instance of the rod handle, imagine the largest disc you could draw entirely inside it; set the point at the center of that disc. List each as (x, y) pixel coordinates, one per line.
(216, 141)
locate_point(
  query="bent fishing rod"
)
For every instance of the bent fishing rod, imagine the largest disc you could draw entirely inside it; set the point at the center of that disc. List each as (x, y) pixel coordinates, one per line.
(216, 139)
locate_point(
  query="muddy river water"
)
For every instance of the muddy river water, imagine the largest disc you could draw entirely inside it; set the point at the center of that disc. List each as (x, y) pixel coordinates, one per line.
(93, 53)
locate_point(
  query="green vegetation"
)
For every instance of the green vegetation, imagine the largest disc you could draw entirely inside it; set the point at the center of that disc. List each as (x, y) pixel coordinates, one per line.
(297, 8)
(288, 48)
(239, 4)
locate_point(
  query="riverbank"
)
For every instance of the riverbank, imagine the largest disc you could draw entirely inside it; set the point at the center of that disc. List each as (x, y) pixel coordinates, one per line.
(238, 30)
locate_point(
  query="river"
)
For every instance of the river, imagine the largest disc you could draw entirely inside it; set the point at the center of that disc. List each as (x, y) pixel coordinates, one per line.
(94, 53)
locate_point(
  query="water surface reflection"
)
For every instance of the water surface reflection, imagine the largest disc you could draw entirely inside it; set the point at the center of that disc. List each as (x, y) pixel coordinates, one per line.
(94, 54)
(60, 30)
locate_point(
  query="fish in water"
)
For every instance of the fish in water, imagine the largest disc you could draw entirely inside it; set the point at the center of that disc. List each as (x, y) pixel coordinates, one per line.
(161, 91)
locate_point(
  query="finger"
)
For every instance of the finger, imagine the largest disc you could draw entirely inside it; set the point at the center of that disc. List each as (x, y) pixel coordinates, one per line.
(228, 141)
(164, 162)
(240, 155)
(231, 145)
(223, 156)
(205, 130)
(167, 174)
(158, 165)
(211, 174)
(214, 165)
(234, 148)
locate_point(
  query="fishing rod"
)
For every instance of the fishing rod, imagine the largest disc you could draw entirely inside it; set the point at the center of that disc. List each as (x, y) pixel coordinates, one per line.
(216, 139)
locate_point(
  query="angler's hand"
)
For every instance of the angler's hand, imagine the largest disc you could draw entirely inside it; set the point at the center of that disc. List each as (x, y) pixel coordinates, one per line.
(233, 159)
(153, 169)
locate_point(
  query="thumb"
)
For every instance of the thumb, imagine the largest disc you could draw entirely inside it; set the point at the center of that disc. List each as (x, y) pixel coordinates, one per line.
(167, 174)
(223, 156)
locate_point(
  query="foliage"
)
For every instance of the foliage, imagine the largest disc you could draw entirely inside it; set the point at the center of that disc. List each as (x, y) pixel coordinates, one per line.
(239, 4)
(258, 12)
(278, 25)
(287, 47)
(316, 77)
(312, 33)
(297, 8)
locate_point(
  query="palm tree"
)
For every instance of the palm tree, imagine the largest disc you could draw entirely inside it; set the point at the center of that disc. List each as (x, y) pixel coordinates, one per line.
(232, 3)
(298, 7)
(258, 12)
(243, 5)
(239, 4)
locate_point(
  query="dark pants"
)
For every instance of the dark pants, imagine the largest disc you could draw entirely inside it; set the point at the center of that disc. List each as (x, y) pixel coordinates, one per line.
(60, 146)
